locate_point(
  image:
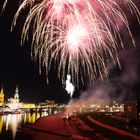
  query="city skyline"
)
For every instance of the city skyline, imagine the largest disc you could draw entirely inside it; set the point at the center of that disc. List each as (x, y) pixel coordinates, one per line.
(69, 69)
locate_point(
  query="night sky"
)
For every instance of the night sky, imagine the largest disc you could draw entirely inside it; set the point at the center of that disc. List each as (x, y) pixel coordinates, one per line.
(16, 66)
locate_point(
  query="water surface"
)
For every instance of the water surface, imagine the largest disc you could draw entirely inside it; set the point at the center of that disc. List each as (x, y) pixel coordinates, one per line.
(11, 123)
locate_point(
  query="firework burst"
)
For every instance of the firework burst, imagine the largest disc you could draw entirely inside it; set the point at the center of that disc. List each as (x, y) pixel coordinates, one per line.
(78, 35)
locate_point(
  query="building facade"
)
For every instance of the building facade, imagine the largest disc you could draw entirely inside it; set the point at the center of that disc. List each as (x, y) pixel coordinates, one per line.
(14, 102)
(1, 97)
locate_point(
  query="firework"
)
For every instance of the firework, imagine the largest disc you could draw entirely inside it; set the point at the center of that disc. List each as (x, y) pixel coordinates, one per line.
(79, 36)
(69, 86)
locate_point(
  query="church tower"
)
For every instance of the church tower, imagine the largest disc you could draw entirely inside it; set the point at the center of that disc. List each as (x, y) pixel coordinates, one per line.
(1, 97)
(16, 96)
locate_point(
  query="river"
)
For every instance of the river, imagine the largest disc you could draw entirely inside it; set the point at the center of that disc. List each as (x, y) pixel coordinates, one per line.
(11, 123)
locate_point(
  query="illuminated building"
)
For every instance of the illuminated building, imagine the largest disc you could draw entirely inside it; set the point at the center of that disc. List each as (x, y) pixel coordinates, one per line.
(14, 103)
(1, 97)
(28, 105)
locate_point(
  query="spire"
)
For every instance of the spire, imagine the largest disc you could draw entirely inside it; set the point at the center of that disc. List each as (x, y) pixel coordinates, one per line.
(16, 91)
(16, 96)
(2, 88)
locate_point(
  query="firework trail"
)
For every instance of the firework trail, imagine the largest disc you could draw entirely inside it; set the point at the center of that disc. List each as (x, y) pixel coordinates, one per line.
(79, 36)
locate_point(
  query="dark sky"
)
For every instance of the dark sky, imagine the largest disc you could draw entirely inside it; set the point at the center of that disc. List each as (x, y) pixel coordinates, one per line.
(16, 66)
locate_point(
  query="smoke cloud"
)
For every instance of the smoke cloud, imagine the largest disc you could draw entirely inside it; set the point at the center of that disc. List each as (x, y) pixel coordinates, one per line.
(121, 84)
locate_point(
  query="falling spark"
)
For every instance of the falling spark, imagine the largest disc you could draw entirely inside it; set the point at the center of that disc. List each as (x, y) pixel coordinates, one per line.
(80, 36)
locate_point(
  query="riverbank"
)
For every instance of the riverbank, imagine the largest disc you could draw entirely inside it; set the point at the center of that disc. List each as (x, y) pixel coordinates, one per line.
(57, 127)
(54, 127)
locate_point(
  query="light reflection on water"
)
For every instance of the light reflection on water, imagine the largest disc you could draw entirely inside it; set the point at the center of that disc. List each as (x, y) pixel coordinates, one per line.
(11, 122)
